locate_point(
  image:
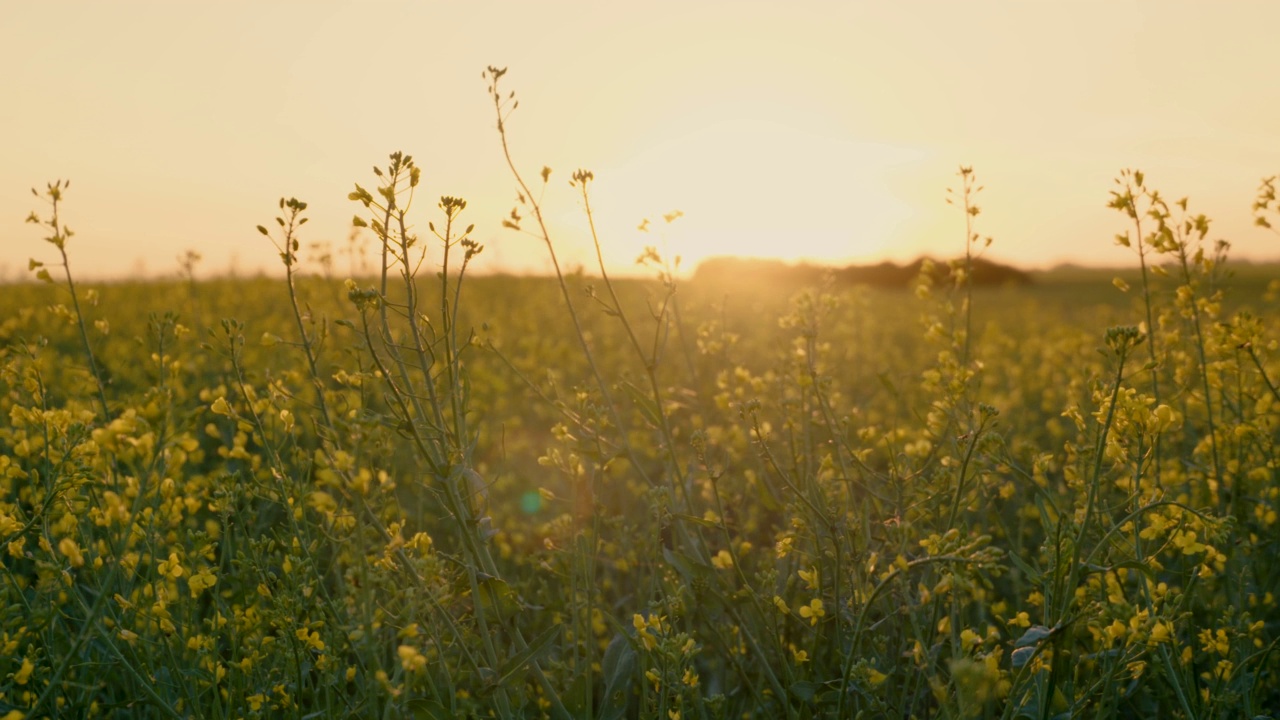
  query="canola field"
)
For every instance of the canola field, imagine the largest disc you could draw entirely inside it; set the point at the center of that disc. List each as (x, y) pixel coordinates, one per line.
(420, 495)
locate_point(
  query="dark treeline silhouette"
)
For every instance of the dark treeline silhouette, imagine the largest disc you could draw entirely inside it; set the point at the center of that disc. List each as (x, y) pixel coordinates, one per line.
(885, 274)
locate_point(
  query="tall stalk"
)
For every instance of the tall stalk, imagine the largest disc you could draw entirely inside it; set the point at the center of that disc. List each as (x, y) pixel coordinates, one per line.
(59, 236)
(502, 112)
(1126, 201)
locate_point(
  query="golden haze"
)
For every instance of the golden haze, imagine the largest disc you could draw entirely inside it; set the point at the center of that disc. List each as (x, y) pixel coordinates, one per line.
(826, 131)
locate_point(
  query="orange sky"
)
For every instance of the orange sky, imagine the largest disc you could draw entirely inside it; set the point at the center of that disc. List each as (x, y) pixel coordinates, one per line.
(817, 130)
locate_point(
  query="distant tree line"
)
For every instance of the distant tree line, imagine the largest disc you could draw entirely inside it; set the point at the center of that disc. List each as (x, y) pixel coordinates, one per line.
(884, 274)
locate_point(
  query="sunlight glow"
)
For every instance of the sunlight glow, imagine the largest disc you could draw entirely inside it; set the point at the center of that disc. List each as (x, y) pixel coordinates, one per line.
(763, 188)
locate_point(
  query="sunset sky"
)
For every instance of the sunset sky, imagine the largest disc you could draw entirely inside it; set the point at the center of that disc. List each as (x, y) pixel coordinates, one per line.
(801, 130)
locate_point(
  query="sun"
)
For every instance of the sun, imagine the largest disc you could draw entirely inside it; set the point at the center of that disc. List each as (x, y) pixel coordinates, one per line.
(765, 187)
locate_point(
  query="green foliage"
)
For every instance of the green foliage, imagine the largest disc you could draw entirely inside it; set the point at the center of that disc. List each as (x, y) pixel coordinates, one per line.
(431, 495)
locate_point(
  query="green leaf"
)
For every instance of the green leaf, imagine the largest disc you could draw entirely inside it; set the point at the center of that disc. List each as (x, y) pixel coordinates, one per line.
(765, 494)
(1048, 513)
(497, 596)
(647, 406)
(1032, 636)
(531, 652)
(423, 709)
(697, 520)
(805, 690)
(680, 562)
(618, 669)
(1021, 656)
(1031, 573)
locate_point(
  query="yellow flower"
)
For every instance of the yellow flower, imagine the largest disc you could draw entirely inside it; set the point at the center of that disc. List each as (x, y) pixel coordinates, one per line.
(410, 659)
(1188, 542)
(813, 611)
(201, 581)
(784, 547)
(722, 560)
(810, 577)
(800, 656)
(653, 678)
(1219, 643)
(1156, 525)
(171, 568)
(310, 638)
(642, 630)
(71, 551)
(24, 673)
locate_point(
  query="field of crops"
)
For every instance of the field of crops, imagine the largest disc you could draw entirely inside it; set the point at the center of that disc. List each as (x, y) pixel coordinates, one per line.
(441, 496)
